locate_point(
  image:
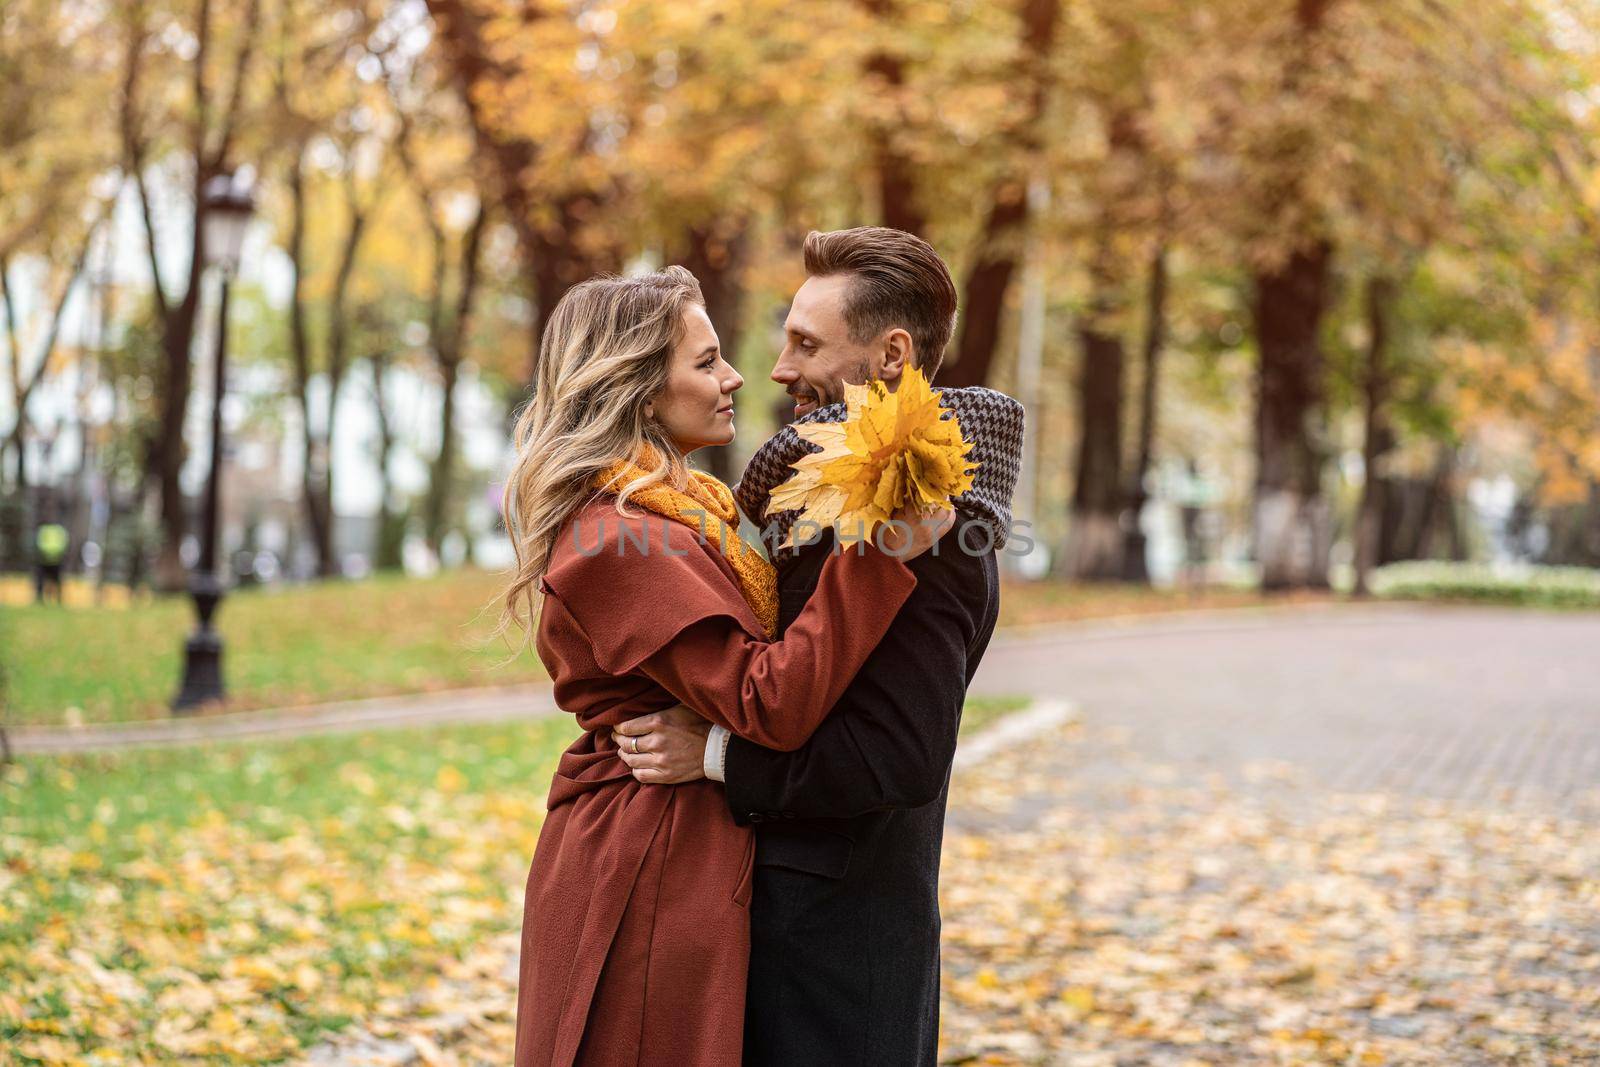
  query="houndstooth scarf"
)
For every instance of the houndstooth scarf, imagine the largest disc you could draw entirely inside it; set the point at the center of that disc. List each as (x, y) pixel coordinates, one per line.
(989, 419)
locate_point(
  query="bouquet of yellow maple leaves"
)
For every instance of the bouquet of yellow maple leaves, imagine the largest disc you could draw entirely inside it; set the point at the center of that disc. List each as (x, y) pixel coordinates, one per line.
(893, 450)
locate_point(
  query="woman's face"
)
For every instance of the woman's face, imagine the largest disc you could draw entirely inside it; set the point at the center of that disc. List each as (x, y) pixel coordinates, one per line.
(696, 405)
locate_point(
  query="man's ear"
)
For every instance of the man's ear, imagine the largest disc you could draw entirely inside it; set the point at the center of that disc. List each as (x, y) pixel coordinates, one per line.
(897, 354)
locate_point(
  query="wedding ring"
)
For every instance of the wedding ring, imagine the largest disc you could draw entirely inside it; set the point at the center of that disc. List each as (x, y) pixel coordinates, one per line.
(635, 741)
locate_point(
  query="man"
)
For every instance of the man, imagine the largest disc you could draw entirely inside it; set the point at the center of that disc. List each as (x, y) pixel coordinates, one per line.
(50, 551)
(844, 965)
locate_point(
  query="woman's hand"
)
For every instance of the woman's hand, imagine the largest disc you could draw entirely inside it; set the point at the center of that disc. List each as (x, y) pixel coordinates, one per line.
(909, 533)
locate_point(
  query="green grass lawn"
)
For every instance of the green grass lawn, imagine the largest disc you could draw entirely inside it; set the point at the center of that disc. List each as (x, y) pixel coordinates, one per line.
(981, 711)
(235, 902)
(286, 645)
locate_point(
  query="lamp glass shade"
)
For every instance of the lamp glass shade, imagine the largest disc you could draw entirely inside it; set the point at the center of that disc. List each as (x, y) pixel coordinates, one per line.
(228, 211)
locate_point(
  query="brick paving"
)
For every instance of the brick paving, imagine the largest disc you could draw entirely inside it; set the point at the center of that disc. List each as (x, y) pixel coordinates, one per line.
(1450, 703)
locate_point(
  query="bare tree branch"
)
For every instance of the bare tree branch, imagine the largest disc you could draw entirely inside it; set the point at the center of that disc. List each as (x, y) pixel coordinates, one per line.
(14, 367)
(133, 151)
(241, 66)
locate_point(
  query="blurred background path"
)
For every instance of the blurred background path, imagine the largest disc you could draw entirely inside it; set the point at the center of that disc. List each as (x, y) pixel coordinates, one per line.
(1448, 702)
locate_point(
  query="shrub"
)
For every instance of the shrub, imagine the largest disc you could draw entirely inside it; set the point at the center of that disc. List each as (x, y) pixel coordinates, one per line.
(1556, 587)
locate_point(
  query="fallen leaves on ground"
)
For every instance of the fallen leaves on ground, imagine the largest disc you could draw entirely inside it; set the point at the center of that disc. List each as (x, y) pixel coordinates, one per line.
(1098, 910)
(1147, 918)
(237, 904)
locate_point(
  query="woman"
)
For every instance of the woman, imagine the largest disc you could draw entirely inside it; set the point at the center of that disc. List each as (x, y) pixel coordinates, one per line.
(635, 938)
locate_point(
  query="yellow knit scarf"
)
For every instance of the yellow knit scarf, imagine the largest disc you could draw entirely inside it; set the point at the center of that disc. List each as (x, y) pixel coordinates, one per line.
(708, 508)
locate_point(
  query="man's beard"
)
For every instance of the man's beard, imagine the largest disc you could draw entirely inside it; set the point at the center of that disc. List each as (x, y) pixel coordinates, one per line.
(835, 393)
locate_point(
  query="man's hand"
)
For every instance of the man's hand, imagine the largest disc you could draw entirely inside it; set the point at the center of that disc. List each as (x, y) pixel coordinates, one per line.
(664, 748)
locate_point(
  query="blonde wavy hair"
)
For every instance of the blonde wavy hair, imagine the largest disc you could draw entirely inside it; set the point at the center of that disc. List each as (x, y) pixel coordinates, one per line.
(605, 353)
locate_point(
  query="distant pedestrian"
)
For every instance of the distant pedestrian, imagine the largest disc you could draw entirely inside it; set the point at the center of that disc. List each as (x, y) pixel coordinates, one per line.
(50, 551)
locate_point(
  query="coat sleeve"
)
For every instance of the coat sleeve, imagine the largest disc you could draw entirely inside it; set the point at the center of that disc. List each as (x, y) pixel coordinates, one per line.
(892, 738)
(675, 617)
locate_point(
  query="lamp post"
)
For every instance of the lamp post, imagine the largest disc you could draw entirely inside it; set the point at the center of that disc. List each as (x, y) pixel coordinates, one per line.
(226, 214)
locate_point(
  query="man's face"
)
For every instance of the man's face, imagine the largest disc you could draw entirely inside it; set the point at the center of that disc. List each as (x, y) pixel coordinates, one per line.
(819, 357)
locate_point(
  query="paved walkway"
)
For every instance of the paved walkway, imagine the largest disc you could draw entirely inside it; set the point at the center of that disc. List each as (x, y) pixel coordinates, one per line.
(1473, 704)
(494, 704)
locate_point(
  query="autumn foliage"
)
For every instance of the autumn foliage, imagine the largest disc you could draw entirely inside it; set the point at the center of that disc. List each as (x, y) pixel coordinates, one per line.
(1337, 255)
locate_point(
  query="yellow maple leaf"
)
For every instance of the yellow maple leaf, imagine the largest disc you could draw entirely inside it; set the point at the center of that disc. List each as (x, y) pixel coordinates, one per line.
(893, 450)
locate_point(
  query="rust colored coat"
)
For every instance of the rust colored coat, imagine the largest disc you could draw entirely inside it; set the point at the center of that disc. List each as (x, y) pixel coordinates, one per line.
(635, 930)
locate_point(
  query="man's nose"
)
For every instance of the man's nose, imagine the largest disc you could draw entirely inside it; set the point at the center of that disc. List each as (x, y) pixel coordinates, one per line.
(783, 372)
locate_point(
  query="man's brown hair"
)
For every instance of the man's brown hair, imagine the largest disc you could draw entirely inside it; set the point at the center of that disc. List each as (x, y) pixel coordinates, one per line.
(898, 280)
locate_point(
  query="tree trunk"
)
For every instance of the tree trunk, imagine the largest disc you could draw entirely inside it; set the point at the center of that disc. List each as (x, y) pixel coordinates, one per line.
(1574, 529)
(175, 383)
(555, 255)
(329, 565)
(18, 443)
(313, 460)
(897, 186)
(1094, 542)
(1377, 438)
(556, 262)
(987, 283)
(91, 370)
(1402, 520)
(17, 438)
(449, 347)
(436, 518)
(386, 549)
(1292, 519)
(210, 147)
(716, 256)
(1135, 567)
(995, 265)
(1293, 523)
(1438, 516)
(337, 362)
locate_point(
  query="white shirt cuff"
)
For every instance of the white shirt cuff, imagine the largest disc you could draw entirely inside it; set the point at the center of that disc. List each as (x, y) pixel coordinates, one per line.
(716, 751)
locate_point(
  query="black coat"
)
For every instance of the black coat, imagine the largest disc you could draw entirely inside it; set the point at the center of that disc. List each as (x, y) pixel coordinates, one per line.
(844, 963)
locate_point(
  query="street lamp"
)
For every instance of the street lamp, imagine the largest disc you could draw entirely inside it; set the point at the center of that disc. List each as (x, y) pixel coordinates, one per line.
(224, 216)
